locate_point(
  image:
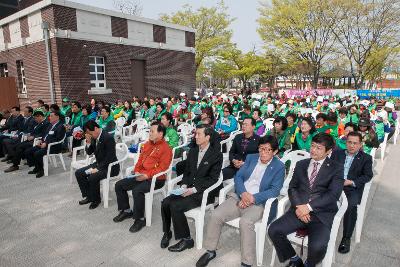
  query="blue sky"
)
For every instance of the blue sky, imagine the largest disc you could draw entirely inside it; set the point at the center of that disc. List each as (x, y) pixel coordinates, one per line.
(245, 11)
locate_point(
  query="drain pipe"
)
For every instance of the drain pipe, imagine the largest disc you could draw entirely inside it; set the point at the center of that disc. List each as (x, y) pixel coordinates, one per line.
(45, 27)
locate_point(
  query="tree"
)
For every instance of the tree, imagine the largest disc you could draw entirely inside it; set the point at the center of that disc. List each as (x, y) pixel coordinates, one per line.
(302, 28)
(212, 28)
(128, 7)
(368, 33)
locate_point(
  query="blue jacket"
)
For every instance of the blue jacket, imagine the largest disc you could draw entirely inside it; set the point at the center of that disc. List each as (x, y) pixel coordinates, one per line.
(271, 182)
(227, 125)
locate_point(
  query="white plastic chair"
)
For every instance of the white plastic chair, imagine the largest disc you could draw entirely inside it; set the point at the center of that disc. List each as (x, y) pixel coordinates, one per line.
(228, 142)
(53, 157)
(293, 157)
(122, 155)
(119, 124)
(361, 211)
(396, 131)
(269, 124)
(77, 164)
(149, 197)
(383, 146)
(330, 251)
(128, 135)
(185, 131)
(260, 227)
(198, 214)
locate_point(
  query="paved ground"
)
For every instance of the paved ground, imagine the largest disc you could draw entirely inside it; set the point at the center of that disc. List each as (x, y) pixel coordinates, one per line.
(41, 224)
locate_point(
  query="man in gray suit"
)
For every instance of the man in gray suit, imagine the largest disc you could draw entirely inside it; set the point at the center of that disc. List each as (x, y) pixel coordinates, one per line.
(260, 178)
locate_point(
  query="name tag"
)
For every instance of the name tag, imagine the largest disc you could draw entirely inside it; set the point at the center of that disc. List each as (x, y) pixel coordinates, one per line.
(51, 132)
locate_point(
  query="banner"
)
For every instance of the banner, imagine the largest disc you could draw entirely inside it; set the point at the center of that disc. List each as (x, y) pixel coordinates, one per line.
(323, 92)
(382, 93)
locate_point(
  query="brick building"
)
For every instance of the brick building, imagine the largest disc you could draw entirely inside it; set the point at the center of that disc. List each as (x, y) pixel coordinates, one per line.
(93, 53)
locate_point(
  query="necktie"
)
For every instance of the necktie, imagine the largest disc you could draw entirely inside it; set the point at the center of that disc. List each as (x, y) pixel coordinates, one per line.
(313, 174)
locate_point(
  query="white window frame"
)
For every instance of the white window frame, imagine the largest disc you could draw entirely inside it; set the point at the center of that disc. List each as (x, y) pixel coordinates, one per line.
(21, 73)
(97, 63)
(5, 70)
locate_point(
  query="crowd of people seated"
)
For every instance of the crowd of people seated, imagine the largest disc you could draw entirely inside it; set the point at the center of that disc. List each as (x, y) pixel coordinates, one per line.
(338, 132)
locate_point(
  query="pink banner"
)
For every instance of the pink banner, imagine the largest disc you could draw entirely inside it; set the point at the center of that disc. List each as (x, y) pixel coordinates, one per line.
(297, 92)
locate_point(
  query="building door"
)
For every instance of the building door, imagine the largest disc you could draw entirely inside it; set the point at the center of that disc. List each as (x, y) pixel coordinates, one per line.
(138, 73)
(8, 93)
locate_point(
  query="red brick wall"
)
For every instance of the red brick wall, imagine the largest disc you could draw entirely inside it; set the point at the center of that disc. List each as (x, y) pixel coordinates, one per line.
(26, 3)
(167, 72)
(65, 18)
(34, 58)
(119, 27)
(23, 22)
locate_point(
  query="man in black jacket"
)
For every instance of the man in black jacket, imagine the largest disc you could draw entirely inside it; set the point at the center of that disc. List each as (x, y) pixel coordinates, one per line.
(314, 190)
(18, 151)
(203, 168)
(102, 144)
(13, 125)
(27, 126)
(242, 145)
(55, 133)
(357, 172)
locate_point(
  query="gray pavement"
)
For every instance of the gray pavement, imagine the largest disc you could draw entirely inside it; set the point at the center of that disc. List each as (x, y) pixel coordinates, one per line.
(41, 224)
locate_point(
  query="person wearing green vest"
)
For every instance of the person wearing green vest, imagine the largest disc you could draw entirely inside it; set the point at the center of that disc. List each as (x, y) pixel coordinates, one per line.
(333, 125)
(353, 115)
(194, 106)
(74, 122)
(281, 133)
(320, 123)
(292, 124)
(391, 117)
(159, 111)
(171, 135)
(87, 115)
(303, 139)
(246, 113)
(66, 107)
(106, 120)
(370, 139)
(146, 113)
(341, 141)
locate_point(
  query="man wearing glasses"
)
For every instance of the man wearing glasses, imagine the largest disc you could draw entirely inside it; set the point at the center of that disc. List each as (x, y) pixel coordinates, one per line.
(260, 178)
(357, 172)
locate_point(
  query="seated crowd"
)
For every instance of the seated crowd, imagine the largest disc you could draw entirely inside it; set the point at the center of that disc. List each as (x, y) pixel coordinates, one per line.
(338, 132)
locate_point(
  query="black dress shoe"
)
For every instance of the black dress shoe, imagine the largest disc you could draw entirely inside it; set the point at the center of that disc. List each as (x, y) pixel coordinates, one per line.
(137, 225)
(11, 169)
(182, 245)
(34, 171)
(84, 201)
(9, 161)
(165, 239)
(344, 246)
(296, 263)
(40, 174)
(5, 159)
(205, 259)
(94, 205)
(122, 216)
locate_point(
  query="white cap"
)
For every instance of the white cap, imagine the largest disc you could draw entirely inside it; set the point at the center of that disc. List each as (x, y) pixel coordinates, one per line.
(256, 103)
(308, 100)
(383, 114)
(182, 94)
(283, 106)
(290, 101)
(309, 110)
(320, 99)
(389, 105)
(365, 103)
(271, 107)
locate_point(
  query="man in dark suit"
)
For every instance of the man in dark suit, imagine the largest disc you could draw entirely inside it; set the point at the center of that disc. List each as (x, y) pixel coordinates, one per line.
(27, 126)
(102, 144)
(11, 128)
(357, 172)
(20, 149)
(203, 168)
(54, 133)
(314, 190)
(242, 145)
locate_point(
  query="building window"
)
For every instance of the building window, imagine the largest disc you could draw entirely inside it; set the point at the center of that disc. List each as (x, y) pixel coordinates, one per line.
(97, 73)
(3, 70)
(21, 77)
